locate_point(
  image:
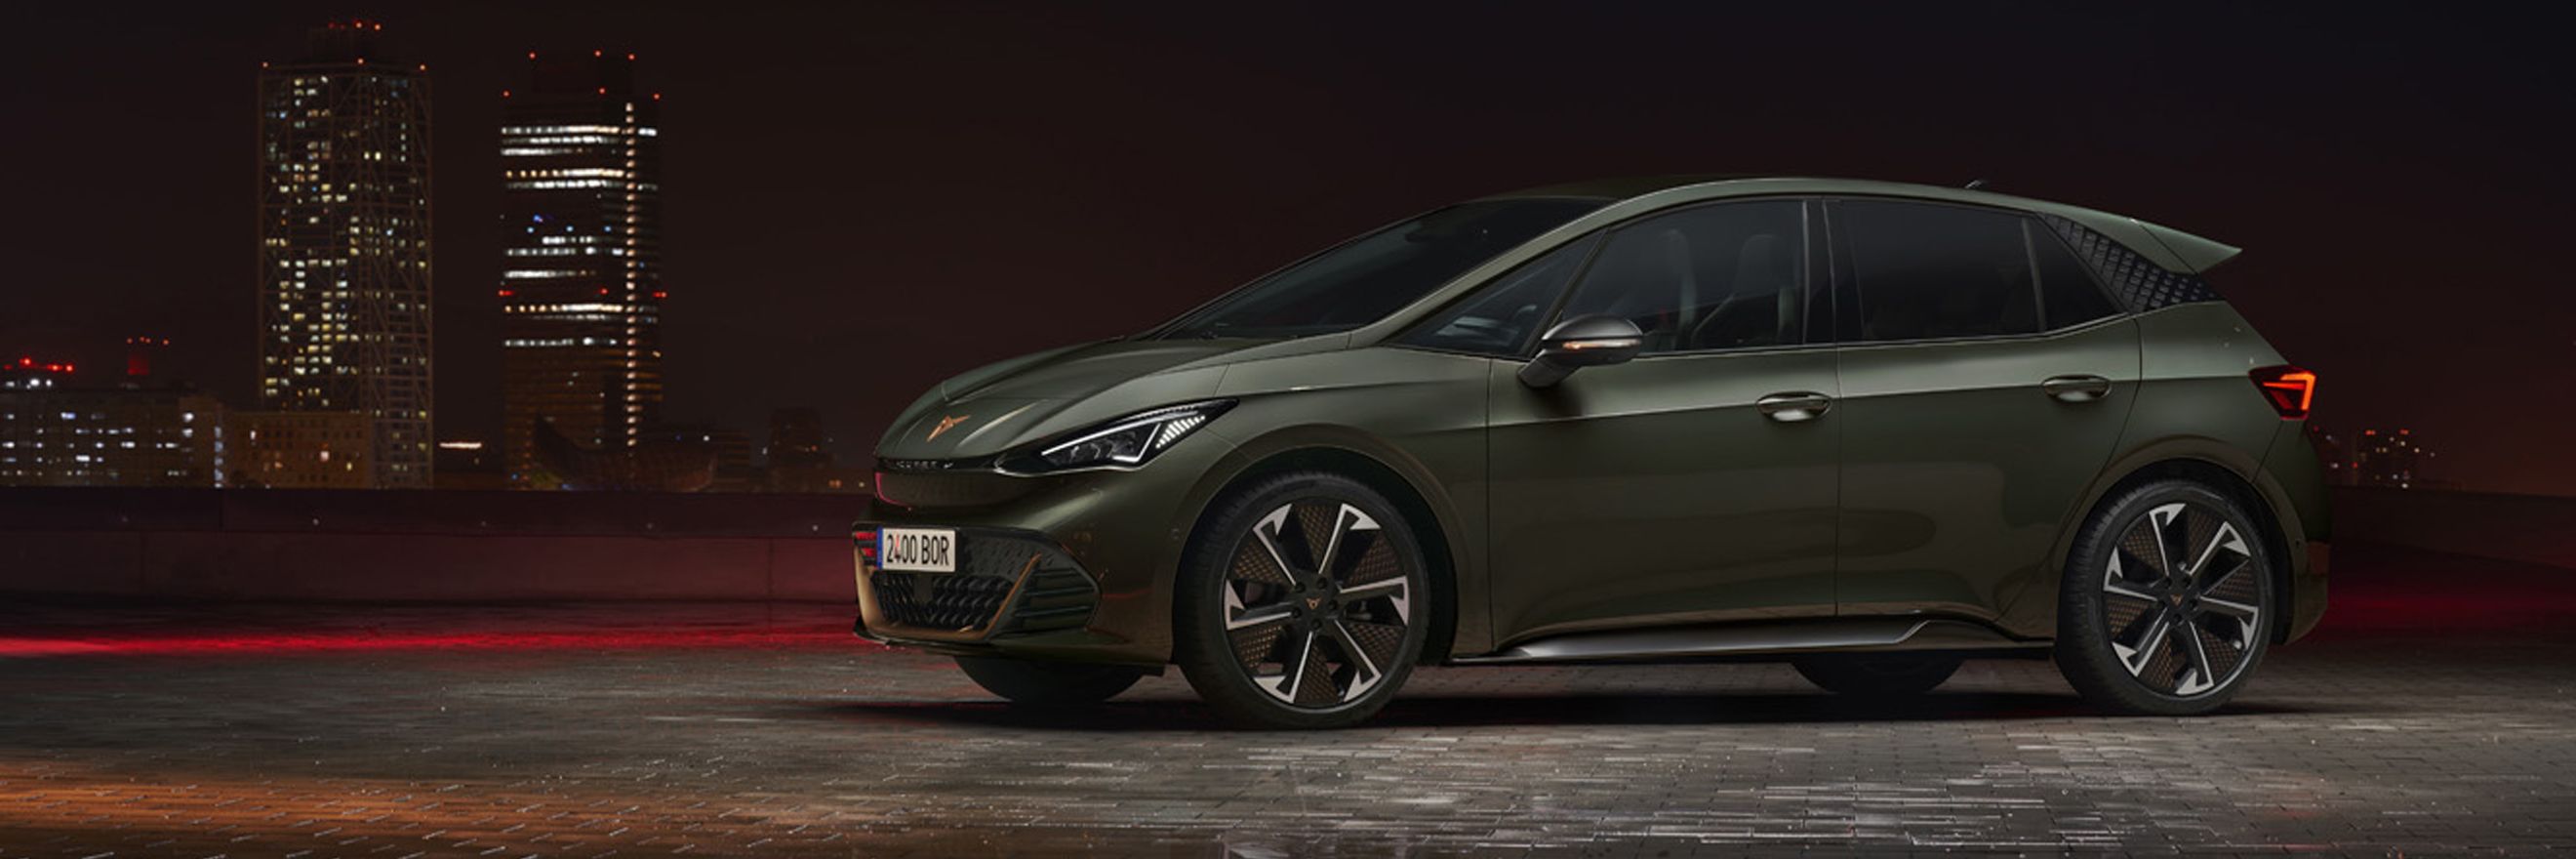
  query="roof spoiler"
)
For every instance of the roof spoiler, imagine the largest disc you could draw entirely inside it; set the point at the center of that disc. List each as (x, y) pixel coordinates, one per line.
(2198, 254)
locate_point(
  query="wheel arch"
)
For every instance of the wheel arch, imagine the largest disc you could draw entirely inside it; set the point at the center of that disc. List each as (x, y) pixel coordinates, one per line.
(1435, 528)
(2221, 468)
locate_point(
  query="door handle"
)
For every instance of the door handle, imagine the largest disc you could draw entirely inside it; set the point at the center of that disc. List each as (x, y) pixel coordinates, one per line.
(2075, 389)
(1795, 407)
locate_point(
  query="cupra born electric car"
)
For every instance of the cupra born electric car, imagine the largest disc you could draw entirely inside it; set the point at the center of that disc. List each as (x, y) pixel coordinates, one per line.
(1871, 429)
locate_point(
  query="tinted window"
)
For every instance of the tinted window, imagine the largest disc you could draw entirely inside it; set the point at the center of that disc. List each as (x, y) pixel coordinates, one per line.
(1500, 318)
(1928, 271)
(2068, 295)
(1726, 276)
(1366, 278)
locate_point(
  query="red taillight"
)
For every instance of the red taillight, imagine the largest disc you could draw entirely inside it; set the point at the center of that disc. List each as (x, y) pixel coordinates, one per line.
(2289, 388)
(866, 538)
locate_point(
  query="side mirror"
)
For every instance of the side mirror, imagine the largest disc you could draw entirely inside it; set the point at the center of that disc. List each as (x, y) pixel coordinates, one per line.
(1584, 341)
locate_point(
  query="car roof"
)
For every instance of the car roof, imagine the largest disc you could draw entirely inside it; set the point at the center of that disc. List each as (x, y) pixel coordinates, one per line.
(2168, 247)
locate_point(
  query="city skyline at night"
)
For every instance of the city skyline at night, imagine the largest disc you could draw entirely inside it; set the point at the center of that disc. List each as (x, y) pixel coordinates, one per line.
(859, 180)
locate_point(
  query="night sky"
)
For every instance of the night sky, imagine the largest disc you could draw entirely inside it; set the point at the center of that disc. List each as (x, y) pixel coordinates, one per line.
(862, 200)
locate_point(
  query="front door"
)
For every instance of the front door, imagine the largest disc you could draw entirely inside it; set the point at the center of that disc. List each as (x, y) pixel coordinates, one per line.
(1695, 483)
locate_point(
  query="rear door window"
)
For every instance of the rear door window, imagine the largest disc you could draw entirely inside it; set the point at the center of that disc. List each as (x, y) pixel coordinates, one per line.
(1924, 271)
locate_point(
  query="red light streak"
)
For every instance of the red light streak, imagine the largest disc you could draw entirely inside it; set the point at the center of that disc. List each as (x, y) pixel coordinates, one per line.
(321, 642)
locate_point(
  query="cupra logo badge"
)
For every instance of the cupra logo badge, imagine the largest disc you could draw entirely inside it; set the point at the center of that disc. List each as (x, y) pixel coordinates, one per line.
(948, 423)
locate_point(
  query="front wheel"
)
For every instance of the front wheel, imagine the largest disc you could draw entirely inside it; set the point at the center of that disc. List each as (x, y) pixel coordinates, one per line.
(1302, 604)
(1049, 684)
(2167, 602)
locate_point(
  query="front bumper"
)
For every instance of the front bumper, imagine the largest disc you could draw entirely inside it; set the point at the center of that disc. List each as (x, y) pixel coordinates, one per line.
(1074, 566)
(1007, 583)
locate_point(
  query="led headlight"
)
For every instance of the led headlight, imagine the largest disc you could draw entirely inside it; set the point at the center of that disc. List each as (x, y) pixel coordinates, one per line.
(1122, 443)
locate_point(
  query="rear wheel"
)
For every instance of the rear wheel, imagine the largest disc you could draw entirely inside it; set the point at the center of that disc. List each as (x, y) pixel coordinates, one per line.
(2166, 605)
(1049, 684)
(1302, 604)
(1877, 675)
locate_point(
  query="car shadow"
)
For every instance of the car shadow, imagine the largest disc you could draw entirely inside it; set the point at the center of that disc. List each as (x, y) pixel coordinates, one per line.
(1572, 710)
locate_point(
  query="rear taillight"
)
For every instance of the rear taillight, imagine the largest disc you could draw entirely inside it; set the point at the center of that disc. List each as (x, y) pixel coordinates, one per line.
(2289, 388)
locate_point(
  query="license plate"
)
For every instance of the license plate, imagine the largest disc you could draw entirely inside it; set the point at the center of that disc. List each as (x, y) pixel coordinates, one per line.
(929, 550)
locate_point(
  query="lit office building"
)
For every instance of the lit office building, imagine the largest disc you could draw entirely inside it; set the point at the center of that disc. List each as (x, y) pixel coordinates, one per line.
(302, 450)
(344, 279)
(581, 279)
(54, 432)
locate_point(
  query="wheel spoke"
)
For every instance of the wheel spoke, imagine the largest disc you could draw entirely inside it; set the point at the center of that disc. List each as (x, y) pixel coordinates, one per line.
(1333, 543)
(1291, 682)
(2173, 535)
(2200, 666)
(1242, 617)
(1267, 532)
(2243, 613)
(2204, 582)
(2225, 539)
(1365, 672)
(2136, 658)
(2117, 589)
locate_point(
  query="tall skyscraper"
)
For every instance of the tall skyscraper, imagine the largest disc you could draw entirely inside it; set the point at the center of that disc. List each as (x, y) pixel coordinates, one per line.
(344, 282)
(581, 273)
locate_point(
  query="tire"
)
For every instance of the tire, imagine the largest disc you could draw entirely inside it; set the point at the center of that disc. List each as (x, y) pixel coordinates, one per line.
(2122, 602)
(1049, 684)
(1877, 675)
(1270, 643)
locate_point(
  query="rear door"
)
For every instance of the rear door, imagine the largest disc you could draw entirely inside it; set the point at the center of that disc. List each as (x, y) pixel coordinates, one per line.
(1985, 380)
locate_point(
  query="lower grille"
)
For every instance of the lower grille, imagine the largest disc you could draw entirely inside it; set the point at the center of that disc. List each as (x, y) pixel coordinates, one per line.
(935, 601)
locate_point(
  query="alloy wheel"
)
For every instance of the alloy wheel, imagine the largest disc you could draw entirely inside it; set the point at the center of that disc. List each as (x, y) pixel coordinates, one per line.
(2181, 600)
(1316, 604)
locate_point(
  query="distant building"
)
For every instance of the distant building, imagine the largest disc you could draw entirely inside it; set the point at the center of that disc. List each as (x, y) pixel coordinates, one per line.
(304, 450)
(669, 461)
(799, 456)
(470, 464)
(581, 268)
(731, 448)
(2395, 460)
(344, 280)
(57, 433)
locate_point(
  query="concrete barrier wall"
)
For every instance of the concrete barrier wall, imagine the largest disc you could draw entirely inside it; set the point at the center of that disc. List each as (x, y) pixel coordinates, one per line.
(250, 565)
(2533, 529)
(425, 546)
(470, 546)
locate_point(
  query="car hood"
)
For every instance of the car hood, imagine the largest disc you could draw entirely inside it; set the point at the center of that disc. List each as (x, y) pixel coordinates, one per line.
(1009, 403)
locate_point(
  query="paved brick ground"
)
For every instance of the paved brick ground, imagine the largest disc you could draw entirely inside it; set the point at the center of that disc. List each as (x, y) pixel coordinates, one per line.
(2428, 718)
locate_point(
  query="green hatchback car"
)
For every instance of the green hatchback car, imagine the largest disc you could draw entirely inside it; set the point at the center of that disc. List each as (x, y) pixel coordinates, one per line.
(1870, 429)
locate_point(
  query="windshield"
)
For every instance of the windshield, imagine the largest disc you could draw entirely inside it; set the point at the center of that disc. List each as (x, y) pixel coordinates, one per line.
(1366, 278)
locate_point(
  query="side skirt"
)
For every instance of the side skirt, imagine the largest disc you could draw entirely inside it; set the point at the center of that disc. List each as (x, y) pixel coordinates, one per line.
(1762, 639)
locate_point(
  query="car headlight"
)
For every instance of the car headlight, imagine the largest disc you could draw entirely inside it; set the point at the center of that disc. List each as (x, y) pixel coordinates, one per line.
(1123, 443)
